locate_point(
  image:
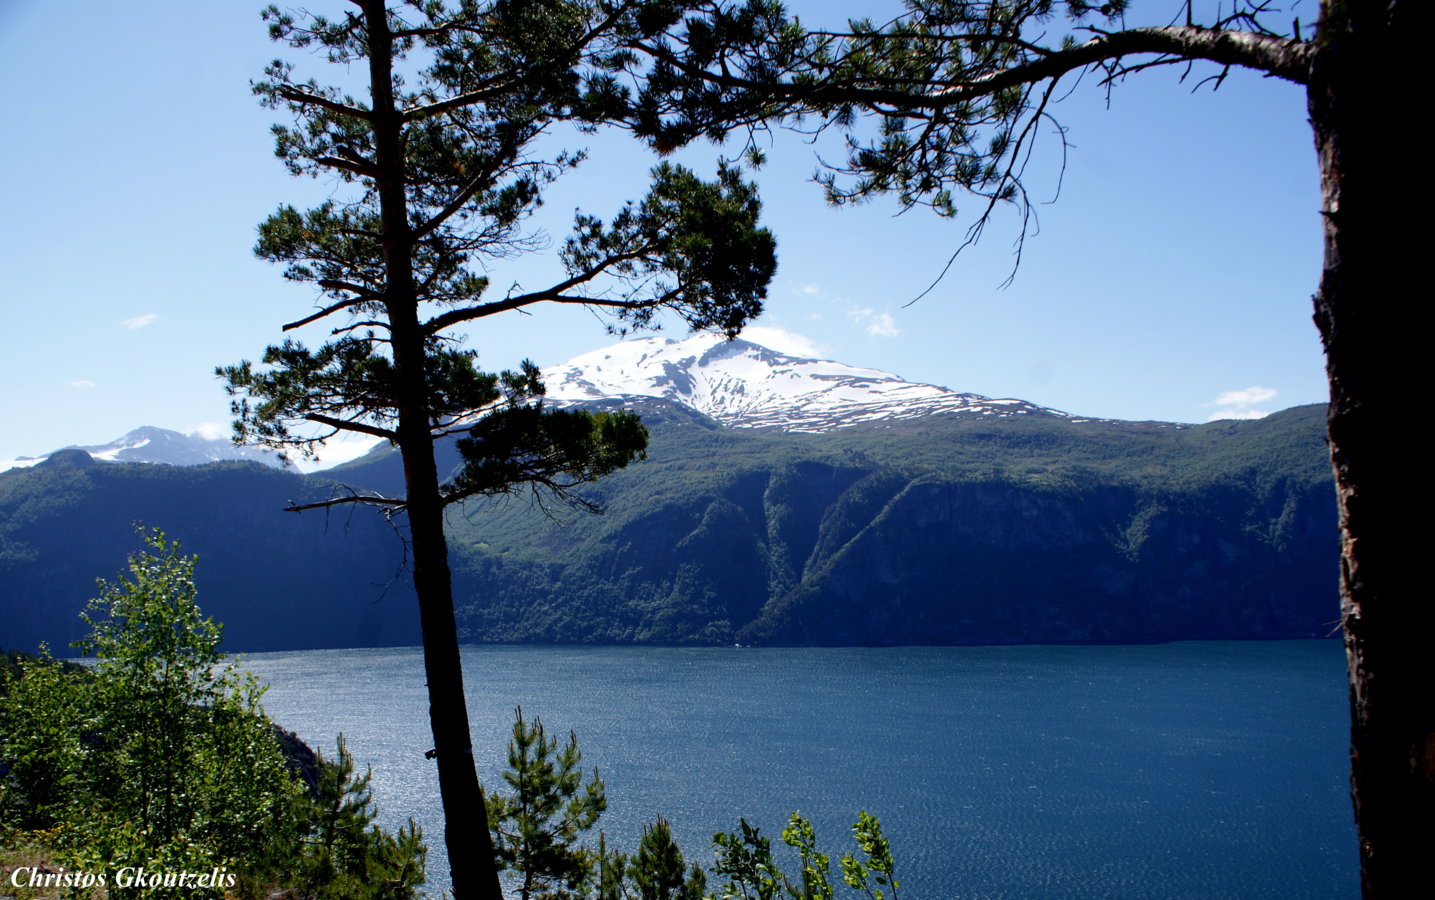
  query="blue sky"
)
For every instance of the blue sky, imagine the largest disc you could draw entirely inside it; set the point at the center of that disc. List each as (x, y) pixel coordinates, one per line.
(1171, 280)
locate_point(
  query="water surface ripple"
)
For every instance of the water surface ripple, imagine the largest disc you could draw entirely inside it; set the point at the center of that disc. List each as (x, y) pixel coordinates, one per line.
(1198, 770)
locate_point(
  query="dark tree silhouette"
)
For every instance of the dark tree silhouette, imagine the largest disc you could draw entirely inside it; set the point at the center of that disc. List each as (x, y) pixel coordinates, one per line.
(441, 160)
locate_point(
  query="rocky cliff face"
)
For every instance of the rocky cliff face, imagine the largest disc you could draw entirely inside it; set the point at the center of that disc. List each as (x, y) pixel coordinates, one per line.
(1004, 563)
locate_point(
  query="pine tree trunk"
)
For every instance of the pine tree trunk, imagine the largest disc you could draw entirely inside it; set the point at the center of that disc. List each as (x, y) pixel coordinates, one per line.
(466, 835)
(1371, 316)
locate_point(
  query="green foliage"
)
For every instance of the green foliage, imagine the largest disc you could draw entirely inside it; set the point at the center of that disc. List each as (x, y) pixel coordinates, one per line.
(522, 446)
(160, 756)
(538, 826)
(40, 743)
(745, 858)
(876, 872)
(657, 869)
(345, 856)
(814, 881)
(537, 829)
(183, 770)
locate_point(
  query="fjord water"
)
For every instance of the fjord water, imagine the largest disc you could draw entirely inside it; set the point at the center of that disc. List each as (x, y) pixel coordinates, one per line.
(1197, 770)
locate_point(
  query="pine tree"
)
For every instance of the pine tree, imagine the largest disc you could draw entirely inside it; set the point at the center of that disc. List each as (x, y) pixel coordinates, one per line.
(344, 856)
(612, 867)
(441, 160)
(538, 826)
(657, 869)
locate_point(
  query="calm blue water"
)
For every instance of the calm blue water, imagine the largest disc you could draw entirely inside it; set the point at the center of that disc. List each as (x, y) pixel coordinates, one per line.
(1200, 770)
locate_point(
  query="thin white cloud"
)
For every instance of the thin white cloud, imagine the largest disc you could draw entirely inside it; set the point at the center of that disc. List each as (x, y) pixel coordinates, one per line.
(1246, 396)
(1240, 404)
(782, 340)
(139, 321)
(211, 431)
(876, 324)
(809, 289)
(883, 325)
(81, 383)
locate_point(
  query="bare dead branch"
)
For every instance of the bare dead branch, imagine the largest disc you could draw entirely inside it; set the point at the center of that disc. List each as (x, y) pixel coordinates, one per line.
(375, 500)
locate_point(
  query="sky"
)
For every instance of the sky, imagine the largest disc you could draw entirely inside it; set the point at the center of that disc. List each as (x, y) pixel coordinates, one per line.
(1170, 280)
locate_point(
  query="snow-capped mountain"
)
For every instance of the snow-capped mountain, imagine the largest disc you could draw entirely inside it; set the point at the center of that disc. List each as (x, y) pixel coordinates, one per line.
(745, 385)
(738, 383)
(160, 445)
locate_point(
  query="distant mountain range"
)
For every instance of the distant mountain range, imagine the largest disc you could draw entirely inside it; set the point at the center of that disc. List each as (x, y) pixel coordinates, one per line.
(737, 383)
(160, 445)
(784, 501)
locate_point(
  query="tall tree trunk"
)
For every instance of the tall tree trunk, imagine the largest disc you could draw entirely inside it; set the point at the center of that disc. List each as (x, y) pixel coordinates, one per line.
(1369, 67)
(466, 835)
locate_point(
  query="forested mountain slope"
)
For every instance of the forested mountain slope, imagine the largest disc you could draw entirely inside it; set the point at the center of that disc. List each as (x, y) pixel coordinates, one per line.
(934, 531)
(276, 580)
(942, 528)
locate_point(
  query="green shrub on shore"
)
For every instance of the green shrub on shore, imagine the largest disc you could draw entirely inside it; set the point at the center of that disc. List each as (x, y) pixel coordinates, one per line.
(159, 757)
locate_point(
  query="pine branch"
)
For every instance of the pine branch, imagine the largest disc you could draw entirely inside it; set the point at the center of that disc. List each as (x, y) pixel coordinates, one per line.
(346, 425)
(329, 310)
(554, 294)
(304, 98)
(1281, 57)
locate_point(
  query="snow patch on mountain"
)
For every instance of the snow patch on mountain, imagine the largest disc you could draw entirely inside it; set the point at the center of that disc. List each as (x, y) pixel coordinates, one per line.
(746, 385)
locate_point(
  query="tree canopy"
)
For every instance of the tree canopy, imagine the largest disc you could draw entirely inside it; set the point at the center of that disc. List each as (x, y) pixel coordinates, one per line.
(440, 159)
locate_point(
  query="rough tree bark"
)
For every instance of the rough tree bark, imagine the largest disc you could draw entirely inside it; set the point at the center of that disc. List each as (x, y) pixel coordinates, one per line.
(1375, 339)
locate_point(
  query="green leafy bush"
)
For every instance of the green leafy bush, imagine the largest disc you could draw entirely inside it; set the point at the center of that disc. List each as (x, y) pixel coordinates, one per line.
(159, 756)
